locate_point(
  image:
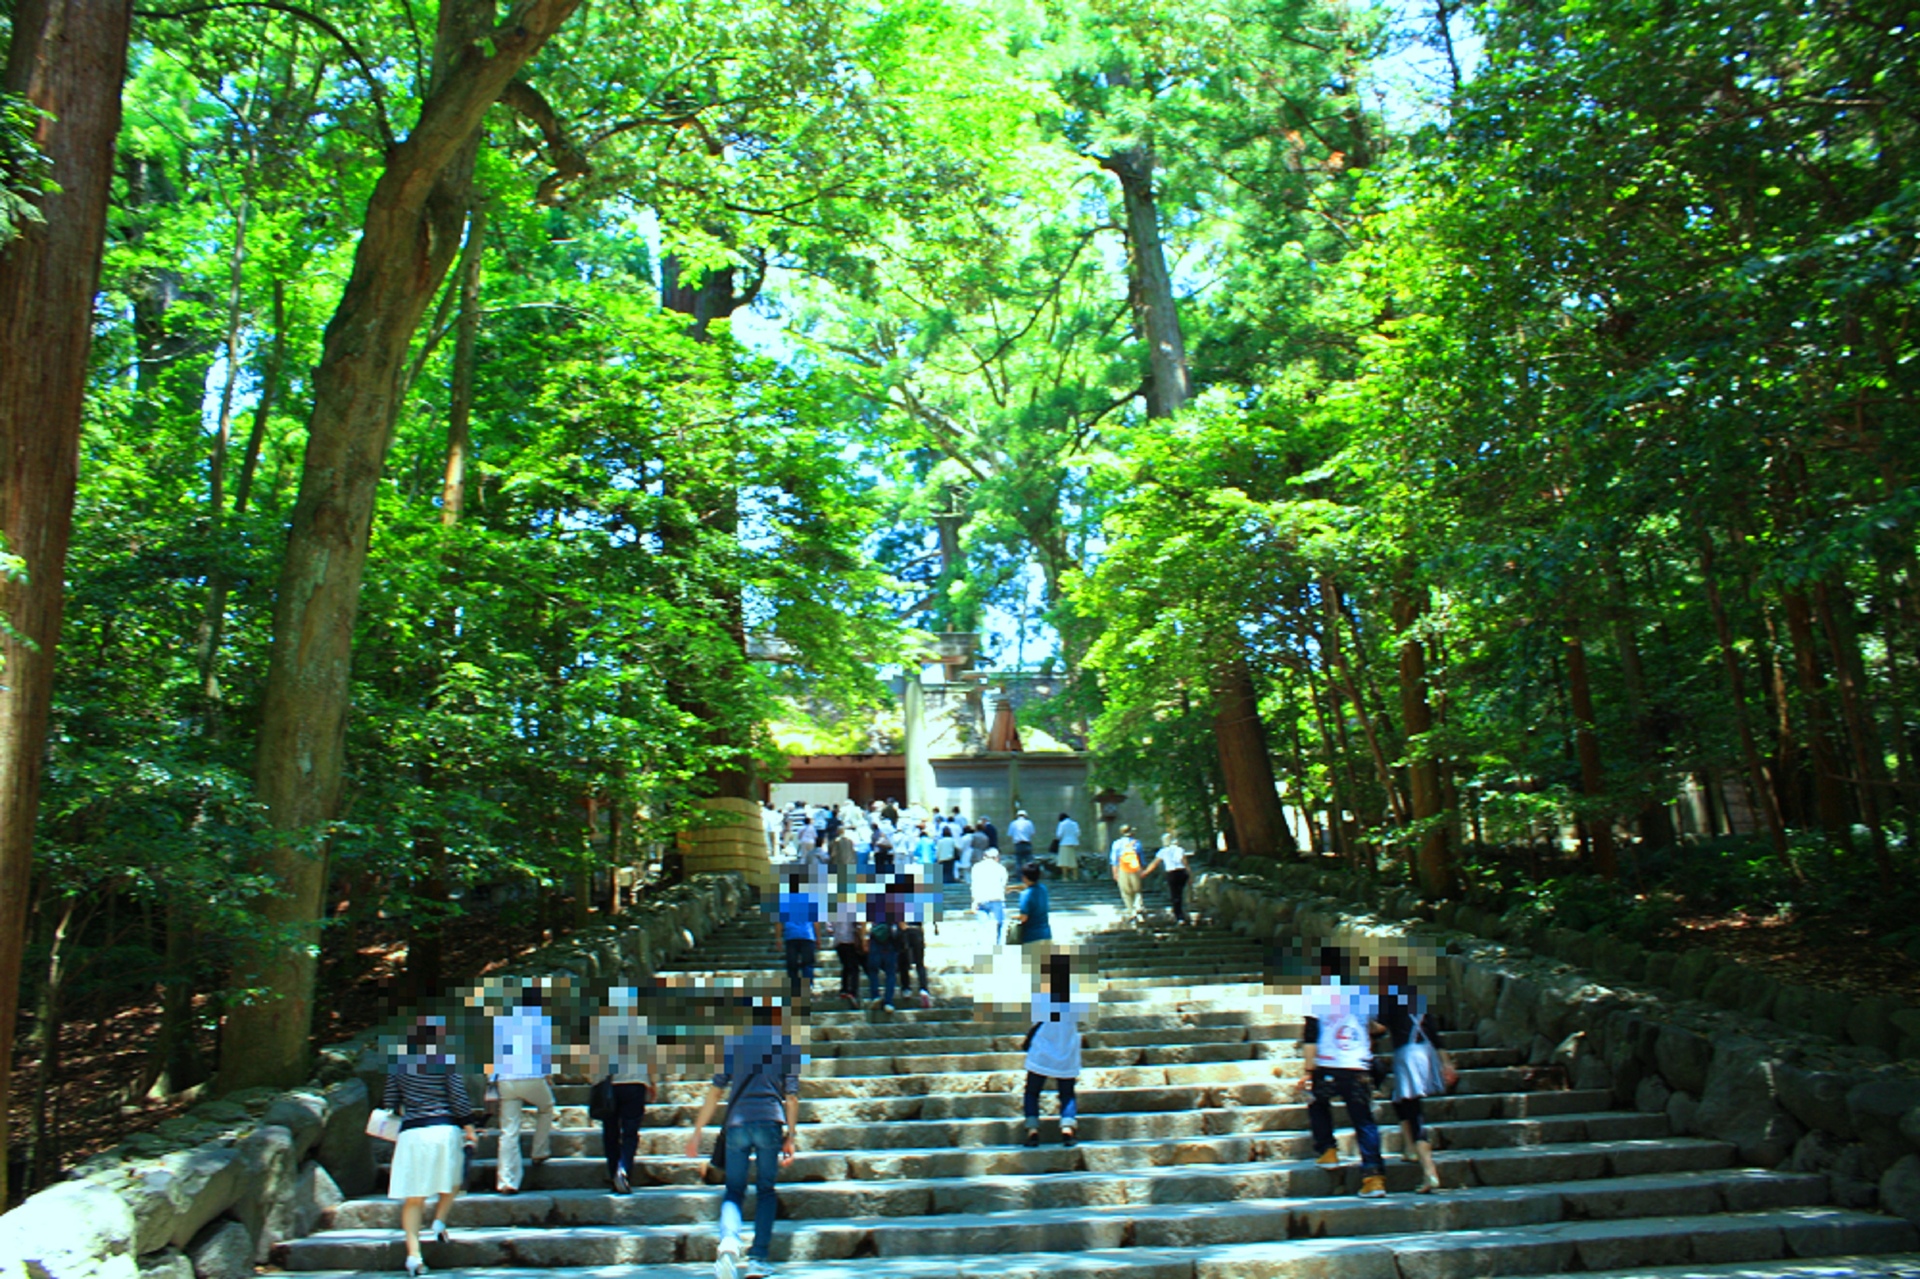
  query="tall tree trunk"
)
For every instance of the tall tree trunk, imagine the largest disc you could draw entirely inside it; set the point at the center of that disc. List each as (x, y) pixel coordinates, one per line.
(1587, 744)
(1869, 763)
(1829, 783)
(1330, 605)
(1246, 767)
(1246, 760)
(466, 341)
(1656, 829)
(67, 57)
(1764, 794)
(410, 238)
(1435, 858)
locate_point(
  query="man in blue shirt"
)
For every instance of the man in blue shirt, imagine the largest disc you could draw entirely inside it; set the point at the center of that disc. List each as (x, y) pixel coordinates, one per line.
(1035, 923)
(800, 933)
(759, 1078)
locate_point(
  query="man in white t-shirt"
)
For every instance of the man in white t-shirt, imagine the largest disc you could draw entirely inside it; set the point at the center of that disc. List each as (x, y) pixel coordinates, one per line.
(989, 881)
(1172, 859)
(1053, 1049)
(1020, 831)
(1337, 1045)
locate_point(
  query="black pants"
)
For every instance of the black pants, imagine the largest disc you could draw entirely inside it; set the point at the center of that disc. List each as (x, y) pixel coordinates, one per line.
(1413, 1115)
(620, 1131)
(850, 965)
(1177, 886)
(801, 957)
(913, 955)
(1355, 1088)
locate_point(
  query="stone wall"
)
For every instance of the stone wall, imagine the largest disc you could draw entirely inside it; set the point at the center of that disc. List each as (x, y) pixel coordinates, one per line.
(207, 1194)
(1785, 1094)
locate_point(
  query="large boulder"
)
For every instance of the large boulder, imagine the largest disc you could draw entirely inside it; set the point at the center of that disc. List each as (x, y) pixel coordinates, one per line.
(314, 1199)
(1682, 1110)
(1740, 989)
(75, 1230)
(1514, 1013)
(168, 1263)
(265, 1205)
(1692, 971)
(345, 1150)
(1900, 1189)
(1877, 1107)
(1684, 1058)
(204, 1183)
(224, 1250)
(1741, 1104)
(303, 1114)
(1870, 1023)
(1816, 1098)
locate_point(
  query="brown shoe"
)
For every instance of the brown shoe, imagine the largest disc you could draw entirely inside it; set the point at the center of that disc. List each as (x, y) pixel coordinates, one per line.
(1374, 1187)
(1329, 1159)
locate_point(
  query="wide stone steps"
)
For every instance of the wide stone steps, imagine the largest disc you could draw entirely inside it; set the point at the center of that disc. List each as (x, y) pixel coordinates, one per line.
(992, 1120)
(1193, 1161)
(1307, 1187)
(1420, 1238)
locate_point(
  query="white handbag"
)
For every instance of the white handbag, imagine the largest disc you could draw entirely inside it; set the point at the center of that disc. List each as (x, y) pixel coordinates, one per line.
(383, 1124)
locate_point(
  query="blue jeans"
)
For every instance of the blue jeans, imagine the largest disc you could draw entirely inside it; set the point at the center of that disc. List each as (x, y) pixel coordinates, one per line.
(762, 1142)
(883, 958)
(620, 1131)
(802, 954)
(997, 912)
(1355, 1087)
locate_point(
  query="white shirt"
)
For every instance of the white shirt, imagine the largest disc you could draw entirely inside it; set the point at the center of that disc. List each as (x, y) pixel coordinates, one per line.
(1020, 831)
(1067, 832)
(1344, 1042)
(1172, 857)
(989, 880)
(1055, 1051)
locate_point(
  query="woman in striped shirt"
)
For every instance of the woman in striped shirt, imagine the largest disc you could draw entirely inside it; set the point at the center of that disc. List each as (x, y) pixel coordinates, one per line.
(429, 1092)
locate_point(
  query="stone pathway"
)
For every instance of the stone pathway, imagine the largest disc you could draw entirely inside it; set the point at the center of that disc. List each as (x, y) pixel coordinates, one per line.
(1193, 1162)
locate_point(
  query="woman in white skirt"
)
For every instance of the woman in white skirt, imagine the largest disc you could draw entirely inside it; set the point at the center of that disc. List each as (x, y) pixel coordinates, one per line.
(429, 1092)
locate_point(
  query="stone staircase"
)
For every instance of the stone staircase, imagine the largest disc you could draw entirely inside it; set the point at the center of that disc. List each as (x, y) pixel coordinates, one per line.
(1193, 1160)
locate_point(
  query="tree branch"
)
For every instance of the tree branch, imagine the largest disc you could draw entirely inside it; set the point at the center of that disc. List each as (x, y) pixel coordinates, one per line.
(567, 159)
(379, 94)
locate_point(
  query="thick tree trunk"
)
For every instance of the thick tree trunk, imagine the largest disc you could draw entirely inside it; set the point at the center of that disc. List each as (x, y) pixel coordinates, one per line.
(410, 238)
(1435, 859)
(67, 57)
(1246, 767)
(1829, 782)
(1245, 759)
(1155, 313)
(1330, 605)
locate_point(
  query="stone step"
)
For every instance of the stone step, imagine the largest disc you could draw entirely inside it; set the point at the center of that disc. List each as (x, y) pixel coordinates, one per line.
(1454, 1236)
(1308, 1197)
(990, 1119)
(1492, 1166)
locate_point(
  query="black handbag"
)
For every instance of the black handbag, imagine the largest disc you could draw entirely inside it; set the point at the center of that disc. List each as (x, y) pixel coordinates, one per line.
(600, 1100)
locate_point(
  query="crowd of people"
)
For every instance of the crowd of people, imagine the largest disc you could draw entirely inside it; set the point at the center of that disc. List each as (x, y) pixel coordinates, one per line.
(874, 908)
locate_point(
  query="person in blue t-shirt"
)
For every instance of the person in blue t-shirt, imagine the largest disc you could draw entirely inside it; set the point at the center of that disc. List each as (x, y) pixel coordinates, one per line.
(800, 932)
(759, 1079)
(1035, 923)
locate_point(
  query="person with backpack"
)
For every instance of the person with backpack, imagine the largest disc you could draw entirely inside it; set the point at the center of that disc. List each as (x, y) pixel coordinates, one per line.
(1337, 1047)
(1052, 1048)
(886, 916)
(1124, 858)
(1420, 1068)
(620, 1050)
(427, 1089)
(759, 1079)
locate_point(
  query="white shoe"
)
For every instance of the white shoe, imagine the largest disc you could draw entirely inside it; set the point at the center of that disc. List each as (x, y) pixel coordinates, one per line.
(415, 1266)
(439, 1232)
(726, 1264)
